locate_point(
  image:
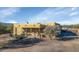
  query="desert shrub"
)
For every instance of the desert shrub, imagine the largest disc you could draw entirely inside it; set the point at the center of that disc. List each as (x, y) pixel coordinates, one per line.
(5, 28)
(50, 30)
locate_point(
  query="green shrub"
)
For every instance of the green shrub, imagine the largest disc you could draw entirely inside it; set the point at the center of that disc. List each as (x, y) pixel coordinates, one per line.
(5, 28)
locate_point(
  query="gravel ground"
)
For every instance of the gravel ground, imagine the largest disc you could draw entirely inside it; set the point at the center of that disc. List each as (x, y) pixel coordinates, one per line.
(37, 45)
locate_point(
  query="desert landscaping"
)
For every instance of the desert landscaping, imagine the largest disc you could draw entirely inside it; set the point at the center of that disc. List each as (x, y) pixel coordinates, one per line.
(9, 44)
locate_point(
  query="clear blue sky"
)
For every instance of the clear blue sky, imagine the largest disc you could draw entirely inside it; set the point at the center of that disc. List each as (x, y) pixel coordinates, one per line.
(39, 15)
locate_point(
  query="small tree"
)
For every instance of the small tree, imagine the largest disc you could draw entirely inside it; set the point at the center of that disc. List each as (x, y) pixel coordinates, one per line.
(5, 28)
(50, 32)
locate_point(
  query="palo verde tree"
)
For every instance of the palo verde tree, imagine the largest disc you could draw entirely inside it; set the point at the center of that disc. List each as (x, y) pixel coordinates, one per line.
(51, 31)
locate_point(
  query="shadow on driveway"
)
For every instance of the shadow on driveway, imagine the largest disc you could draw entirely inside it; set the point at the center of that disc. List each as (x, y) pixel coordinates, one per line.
(67, 35)
(21, 43)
